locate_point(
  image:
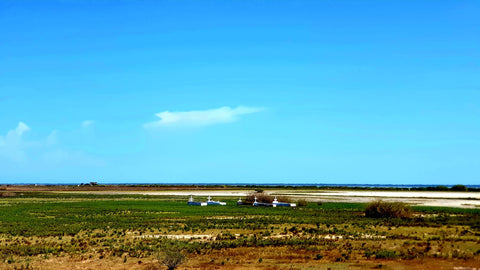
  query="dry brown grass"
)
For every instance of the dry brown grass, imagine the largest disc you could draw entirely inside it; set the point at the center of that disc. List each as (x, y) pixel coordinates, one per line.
(261, 197)
(8, 194)
(245, 258)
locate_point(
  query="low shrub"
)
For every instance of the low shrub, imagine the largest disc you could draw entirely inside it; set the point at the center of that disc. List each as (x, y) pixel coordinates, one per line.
(381, 209)
(261, 197)
(171, 258)
(302, 203)
(8, 194)
(459, 188)
(385, 254)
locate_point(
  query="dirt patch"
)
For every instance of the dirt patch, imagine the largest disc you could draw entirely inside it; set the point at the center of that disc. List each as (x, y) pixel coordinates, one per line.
(242, 259)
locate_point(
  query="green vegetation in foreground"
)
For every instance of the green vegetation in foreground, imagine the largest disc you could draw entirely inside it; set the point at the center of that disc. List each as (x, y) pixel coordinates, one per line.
(70, 214)
(124, 225)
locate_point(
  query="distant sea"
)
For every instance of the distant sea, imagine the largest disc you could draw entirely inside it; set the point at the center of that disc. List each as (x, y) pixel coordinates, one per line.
(252, 184)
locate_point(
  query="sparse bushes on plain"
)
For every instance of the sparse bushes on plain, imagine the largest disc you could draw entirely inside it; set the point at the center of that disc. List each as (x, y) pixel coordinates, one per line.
(105, 227)
(382, 209)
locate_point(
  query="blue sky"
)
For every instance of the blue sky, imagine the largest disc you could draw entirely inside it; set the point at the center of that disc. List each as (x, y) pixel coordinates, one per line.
(351, 92)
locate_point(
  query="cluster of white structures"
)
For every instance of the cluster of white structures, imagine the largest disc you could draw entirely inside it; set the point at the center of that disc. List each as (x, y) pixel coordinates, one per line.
(209, 201)
(275, 203)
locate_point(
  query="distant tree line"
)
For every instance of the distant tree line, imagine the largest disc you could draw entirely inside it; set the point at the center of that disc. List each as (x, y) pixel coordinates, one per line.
(261, 188)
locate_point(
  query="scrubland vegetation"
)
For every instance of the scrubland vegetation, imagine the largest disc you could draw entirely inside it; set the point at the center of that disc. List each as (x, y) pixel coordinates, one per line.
(381, 209)
(44, 230)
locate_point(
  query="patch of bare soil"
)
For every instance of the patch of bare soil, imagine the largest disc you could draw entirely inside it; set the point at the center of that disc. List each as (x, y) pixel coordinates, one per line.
(242, 259)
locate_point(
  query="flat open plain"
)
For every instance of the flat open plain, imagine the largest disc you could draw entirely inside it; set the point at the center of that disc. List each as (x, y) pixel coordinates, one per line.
(120, 227)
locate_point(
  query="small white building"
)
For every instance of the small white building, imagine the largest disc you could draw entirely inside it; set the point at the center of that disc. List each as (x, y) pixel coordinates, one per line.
(210, 202)
(192, 202)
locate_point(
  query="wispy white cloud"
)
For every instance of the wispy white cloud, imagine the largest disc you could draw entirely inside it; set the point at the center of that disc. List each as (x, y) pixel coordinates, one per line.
(200, 118)
(12, 145)
(21, 128)
(87, 123)
(39, 152)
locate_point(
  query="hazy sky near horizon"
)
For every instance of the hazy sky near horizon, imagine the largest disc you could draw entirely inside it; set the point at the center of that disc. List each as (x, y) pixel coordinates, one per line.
(231, 91)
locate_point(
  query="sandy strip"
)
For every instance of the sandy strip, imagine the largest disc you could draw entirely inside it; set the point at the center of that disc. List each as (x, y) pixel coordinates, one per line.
(391, 194)
(430, 198)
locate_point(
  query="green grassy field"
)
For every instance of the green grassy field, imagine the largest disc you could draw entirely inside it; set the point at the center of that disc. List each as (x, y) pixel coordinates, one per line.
(36, 226)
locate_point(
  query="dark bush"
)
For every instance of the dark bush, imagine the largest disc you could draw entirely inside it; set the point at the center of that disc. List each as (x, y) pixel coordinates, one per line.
(264, 198)
(171, 258)
(442, 188)
(302, 203)
(261, 197)
(381, 209)
(459, 188)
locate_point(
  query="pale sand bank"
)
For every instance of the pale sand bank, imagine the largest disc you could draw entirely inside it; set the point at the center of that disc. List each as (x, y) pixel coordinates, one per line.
(430, 198)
